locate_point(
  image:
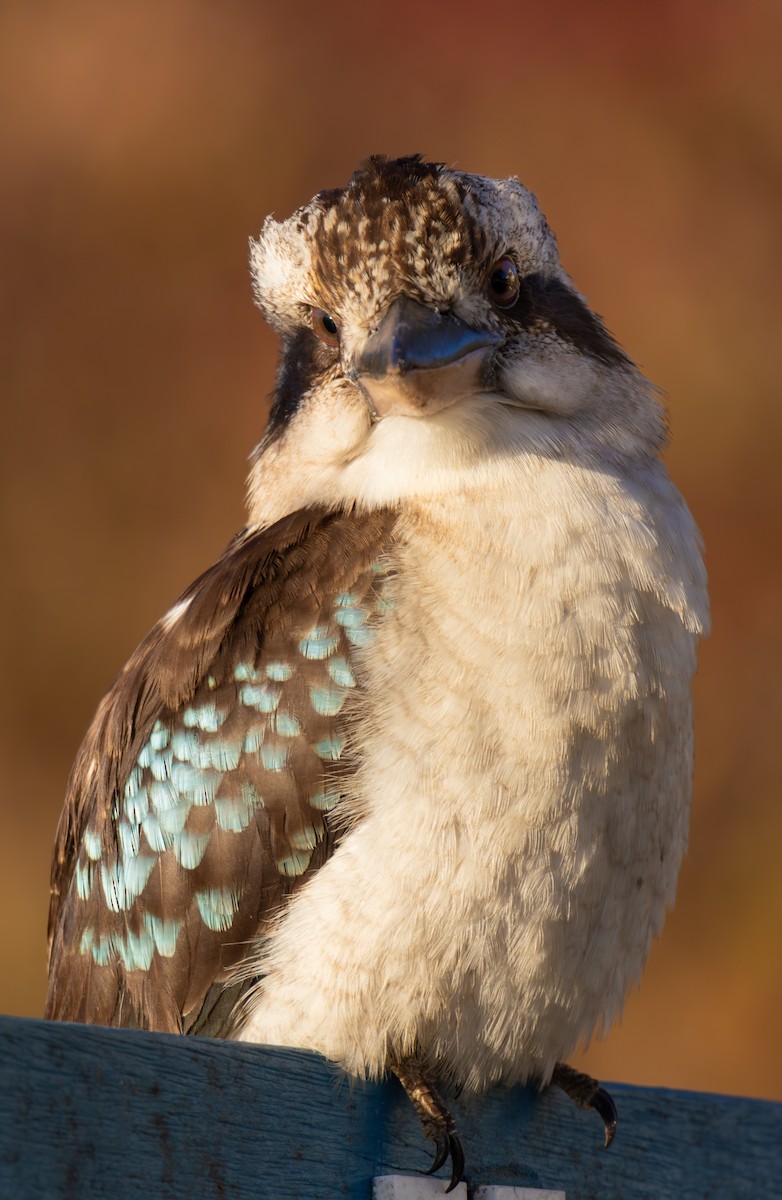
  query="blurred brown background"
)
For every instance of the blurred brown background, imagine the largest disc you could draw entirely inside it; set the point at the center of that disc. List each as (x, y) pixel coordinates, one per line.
(143, 143)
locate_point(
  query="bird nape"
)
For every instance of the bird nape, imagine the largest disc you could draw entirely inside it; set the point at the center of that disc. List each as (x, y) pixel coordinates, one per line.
(404, 778)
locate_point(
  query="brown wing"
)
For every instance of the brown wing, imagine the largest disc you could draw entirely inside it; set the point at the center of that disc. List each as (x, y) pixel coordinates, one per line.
(200, 797)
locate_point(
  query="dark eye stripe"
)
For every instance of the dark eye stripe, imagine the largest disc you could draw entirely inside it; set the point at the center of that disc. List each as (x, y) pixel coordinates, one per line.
(303, 361)
(551, 301)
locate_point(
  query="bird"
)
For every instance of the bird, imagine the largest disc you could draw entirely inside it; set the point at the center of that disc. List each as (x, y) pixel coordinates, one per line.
(404, 778)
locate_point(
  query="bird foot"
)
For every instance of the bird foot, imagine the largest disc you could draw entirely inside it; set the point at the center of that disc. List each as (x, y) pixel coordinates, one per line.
(587, 1093)
(436, 1121)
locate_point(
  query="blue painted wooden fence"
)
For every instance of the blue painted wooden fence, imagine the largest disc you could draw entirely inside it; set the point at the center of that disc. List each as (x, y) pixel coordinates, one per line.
(93, 1113)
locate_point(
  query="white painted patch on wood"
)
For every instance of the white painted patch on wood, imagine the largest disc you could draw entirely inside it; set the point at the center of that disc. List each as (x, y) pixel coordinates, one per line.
(413, 1187)
(497, 1192)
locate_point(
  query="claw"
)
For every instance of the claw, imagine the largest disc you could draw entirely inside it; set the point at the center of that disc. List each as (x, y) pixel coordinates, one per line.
(442, 1147)
(448, 1145)
(457, 1161)
(606, 1110)
(587, 1094)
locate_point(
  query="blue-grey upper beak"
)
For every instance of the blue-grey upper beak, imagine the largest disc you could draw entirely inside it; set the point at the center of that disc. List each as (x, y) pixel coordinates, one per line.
(419, 360)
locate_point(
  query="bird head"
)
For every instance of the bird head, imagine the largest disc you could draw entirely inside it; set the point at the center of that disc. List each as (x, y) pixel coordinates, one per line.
(428, 328)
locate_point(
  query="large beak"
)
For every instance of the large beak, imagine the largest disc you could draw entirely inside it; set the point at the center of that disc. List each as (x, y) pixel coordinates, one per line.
(419, 361)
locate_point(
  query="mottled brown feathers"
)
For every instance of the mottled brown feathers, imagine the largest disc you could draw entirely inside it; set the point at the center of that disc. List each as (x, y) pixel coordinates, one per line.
(200, 797)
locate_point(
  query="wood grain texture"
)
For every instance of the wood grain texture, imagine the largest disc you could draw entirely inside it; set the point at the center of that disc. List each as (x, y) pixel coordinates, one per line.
(120, 1114)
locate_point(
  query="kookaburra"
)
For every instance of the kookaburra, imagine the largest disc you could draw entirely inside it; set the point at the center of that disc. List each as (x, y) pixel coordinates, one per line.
(404, 777)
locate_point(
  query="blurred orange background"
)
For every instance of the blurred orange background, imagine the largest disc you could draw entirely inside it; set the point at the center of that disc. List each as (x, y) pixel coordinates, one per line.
(143, 143)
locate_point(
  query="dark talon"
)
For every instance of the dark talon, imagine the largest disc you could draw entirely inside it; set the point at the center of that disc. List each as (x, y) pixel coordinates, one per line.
(587, 1093)
(440, 1154)
(457, 1162)
(606, 1109)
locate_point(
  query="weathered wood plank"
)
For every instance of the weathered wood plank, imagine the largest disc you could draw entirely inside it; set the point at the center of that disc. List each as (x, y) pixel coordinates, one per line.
(87, 1112)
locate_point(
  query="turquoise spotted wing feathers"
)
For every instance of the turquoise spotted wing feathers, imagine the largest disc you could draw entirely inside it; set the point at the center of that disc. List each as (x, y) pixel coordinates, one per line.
(201, 796)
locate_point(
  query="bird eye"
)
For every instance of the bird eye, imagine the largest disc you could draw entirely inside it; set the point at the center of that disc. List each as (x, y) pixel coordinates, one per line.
(325, 327)
(504, 283)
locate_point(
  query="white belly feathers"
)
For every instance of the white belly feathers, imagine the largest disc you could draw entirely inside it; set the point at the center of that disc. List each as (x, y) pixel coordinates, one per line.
(523, 796)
